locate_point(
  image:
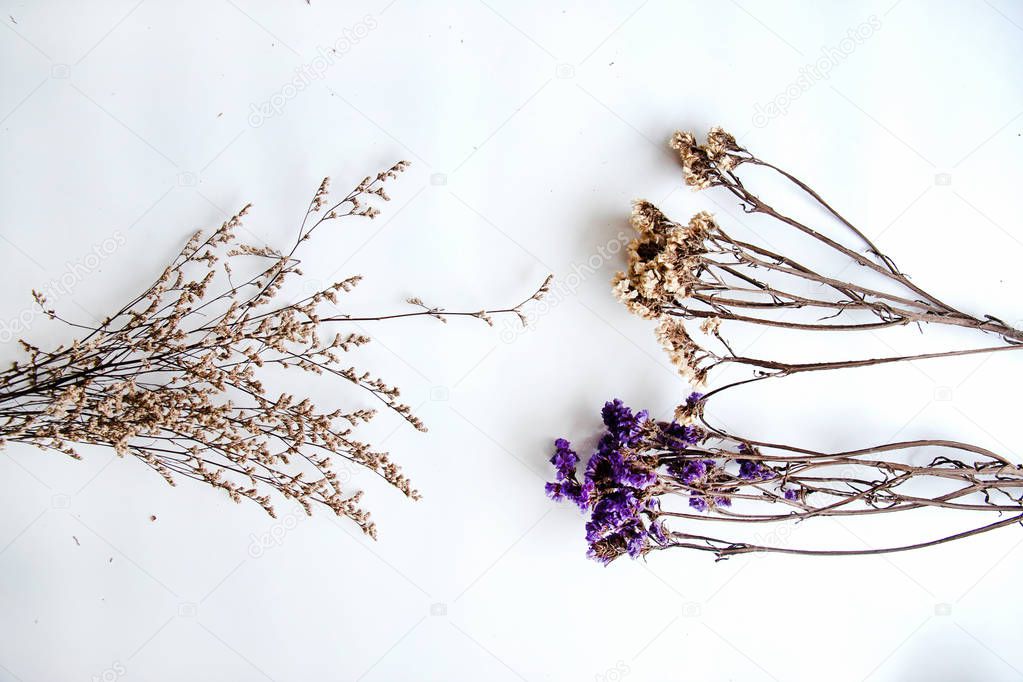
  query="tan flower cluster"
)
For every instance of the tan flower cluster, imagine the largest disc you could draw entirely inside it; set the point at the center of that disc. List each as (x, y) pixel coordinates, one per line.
(711, 325)
(686, 355)
(176, 377)
(667, 260)
(664, 266)
(665, 263)
(689, 412)
(703, 165)
(664, 260)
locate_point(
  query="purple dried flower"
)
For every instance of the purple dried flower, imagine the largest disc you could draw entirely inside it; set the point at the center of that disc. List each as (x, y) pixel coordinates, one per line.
(623, 427)
(692, 471)
(603, 552)
(564, 459)
(614, 483)
(624, 474)
(675, 436)
(752, 470)
(554, 491)
(614, 511)
(632, 539)
(636, 539)
(567, 486)
(701, 502)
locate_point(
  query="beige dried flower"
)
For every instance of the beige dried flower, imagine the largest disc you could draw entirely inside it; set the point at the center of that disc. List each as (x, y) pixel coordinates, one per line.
(175, 378)
(723, 150)
(711, 325)
(703, 165)
(664, 261)
(697, 170)
(685, 354)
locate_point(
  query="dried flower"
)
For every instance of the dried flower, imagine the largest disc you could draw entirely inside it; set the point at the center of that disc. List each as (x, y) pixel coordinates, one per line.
(692, 470)
(647, 478)
(751, 470)
(707, 165)
(700, 272)
(178, 377)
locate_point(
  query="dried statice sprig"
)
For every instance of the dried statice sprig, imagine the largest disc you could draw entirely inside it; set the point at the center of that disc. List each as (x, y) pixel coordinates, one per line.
(182, 376)
(650, 485)
(699, 271)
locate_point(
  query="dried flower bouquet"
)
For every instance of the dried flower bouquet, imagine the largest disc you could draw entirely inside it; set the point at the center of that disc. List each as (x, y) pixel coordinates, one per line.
(180, 378)
(652, 485)
(700, 271)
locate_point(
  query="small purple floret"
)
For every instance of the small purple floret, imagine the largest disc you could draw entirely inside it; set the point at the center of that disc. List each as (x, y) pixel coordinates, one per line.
(752, 470)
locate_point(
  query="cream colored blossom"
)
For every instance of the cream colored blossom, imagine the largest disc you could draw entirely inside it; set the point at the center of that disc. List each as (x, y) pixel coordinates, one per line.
(710, 325)
(689, 413)
(664, 260)
(703, 165)
(721, 148)
(697, 170)
(684, 353)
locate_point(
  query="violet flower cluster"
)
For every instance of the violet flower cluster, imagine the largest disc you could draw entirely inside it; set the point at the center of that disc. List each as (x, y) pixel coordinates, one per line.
(637, 461)
(615, 484)
(645, 474)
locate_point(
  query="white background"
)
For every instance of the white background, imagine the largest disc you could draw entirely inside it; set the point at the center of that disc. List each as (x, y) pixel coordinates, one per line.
(530, 126)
